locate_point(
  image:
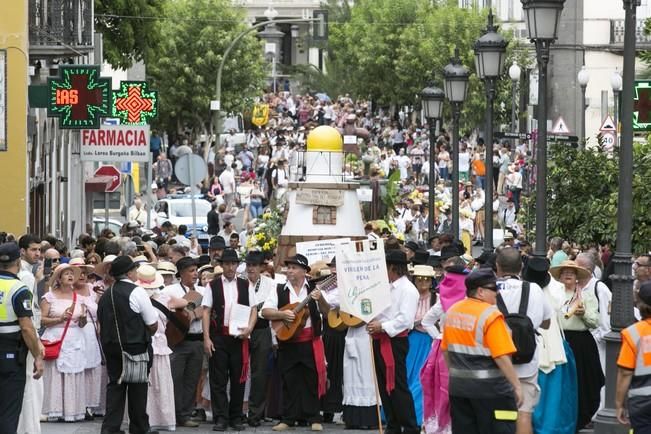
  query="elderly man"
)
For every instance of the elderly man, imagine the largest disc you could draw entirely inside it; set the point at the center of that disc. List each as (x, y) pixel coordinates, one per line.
(138, 213)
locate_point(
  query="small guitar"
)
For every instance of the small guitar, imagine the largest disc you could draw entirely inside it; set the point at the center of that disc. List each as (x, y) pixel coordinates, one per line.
(179, 320)
(285, 330)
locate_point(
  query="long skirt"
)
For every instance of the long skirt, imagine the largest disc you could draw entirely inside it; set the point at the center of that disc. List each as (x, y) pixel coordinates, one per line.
(553, 415)
(589, 375)
(436, 403)
(359, 384)
(64, 394)
(420, 344)
(160, 402)
(334, 343)
(94, 385)
(30, 415)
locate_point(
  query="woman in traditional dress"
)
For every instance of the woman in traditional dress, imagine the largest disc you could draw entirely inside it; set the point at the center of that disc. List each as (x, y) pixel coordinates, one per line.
(420, 342)
(434, 375)
(64, 377)
(580, 313)
(95, 378)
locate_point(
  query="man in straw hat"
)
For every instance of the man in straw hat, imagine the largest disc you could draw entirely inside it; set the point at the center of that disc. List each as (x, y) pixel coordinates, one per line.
(301, 360)
(390, 345)
(260, 343)
(128, 307)
(228, 350)
(17, 335)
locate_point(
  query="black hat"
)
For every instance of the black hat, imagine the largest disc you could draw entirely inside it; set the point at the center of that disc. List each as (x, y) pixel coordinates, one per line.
(482, 277)
(333, 262)
(448, 252)
(299, 260)
(434, 261)
(254, 257)
(229, 255)
(217, 243)
(396, 257)
(203, 260)
(433, 237)
(183, 263)
(420, 257)
(9, 252)
(122, 265)
(412, 245)
(645, 293)
(536, 270)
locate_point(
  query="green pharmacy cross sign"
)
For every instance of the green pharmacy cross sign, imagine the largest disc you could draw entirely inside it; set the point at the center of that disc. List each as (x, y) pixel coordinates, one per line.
(134, 104)
(79, 97)
(642, 106)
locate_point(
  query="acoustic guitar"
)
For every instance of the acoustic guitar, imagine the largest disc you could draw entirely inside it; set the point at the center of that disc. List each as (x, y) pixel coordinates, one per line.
(339, 320)
(179, 320)
(286, 330)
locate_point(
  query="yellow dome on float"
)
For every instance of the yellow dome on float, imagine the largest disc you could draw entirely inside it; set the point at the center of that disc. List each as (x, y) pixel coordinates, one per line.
(325, 139)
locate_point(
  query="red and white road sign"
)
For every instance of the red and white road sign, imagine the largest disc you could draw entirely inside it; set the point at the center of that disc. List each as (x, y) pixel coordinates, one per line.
(113, 173)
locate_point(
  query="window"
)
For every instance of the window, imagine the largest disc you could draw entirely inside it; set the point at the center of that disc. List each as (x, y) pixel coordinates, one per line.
(324, 215)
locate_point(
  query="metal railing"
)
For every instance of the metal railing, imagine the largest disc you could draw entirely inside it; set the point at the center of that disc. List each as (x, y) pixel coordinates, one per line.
(64, 25)
(617, 32)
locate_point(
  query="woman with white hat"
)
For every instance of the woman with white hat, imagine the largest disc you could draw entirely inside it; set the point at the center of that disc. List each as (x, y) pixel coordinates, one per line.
(168, 271)
(63, 316)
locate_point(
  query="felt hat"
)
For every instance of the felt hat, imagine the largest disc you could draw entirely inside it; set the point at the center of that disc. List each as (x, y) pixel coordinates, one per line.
(299, 260)
(333, 262)
(396, 257)
(581, 273)
(121, 265)
(420, 257)
(149, 278)
(185, 263)
(229, 255)
(412, 245)
(217, 243)
(536, 270)
(448, 252)
(254, 257)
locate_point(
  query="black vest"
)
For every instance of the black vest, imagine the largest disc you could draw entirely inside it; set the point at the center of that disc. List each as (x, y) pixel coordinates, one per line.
(315, 316)
(135, 335)
(219, 303)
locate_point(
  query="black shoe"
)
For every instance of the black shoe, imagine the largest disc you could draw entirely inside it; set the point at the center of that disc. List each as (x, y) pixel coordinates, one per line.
(199, 415)
(220, 426)
(328, 417)
(237, 426)
(152, 432)
(254, 423)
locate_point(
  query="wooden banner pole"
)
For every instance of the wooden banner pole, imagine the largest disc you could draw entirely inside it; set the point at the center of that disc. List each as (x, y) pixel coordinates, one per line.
(377, 389)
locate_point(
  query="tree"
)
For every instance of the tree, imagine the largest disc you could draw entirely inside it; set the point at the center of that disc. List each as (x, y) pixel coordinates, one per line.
(130, 28)
(185, 64)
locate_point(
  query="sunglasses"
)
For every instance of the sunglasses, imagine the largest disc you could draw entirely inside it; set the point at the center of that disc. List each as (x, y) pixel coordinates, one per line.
(491, 287)
(423, 278)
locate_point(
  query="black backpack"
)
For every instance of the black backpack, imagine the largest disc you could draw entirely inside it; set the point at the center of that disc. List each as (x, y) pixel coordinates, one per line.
(522, 330)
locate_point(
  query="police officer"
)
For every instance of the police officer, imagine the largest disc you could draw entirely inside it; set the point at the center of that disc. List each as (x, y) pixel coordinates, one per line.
(17, 336)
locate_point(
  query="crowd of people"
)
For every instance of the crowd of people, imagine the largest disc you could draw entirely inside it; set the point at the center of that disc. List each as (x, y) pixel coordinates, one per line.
(484, 344)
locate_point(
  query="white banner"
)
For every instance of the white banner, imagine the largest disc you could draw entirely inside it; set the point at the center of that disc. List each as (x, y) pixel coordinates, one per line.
(362, 279)
(321, 250)
(112, 143)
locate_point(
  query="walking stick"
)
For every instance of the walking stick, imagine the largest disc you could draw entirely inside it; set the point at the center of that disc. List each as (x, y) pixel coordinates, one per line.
(377, 390)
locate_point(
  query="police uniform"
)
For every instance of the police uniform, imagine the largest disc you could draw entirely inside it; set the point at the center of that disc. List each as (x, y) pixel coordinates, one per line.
(15, 303)
(474, 334)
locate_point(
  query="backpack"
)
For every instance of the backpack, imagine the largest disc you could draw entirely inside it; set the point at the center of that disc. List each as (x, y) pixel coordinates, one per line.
(522, 330)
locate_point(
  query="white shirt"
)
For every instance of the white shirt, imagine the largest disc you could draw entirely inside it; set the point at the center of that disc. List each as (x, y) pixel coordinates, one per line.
(400, 314)
(604, 297)
(178, 291)
(227, 181)
(27, 277)
(230, 297)
(272, 300)
(433, 315)
(538, 310)
(139, 302)
(267, 285)
(464, 161)
(281, 175)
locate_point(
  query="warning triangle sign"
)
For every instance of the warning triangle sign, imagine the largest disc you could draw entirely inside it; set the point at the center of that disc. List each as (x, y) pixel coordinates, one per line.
(560, 127)
(608, 124)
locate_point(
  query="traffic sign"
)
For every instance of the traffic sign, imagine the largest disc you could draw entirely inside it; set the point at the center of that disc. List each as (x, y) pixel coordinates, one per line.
(190, 169)
(560, 127)
(134, 103)
(608, 140)
(79, 97)
(521, 136)
(114, 173)
(608, 124)
(556, 138)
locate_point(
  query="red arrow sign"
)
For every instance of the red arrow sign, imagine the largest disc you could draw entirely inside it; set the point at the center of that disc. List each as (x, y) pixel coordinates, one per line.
(113, 173)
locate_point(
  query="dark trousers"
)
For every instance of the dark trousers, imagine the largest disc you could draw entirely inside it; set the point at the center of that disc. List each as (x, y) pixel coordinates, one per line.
(259, 350)
(477, 416)
(298, 372)
(399, 405)
(12, 385)
(226, 364)
(116, 395)
(186, 361)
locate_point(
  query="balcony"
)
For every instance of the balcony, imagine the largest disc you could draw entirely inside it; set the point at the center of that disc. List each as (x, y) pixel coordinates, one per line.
(59, 28)
(617, 34)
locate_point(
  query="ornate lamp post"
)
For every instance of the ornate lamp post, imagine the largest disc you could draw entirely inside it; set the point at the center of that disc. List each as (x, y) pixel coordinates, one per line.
(542, 18)
(432, 98)
(622, 303)
(583, 77)
(456, 87)
(515, 73)
(490, 50)
(616, 84)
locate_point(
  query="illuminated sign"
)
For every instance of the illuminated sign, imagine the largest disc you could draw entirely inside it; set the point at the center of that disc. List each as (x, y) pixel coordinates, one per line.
(134, 104)
(79, 97)
(642, 106)
(115, 143)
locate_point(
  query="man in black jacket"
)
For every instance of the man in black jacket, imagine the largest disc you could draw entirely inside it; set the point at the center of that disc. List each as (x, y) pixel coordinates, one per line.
(213, 220)
(125, 309)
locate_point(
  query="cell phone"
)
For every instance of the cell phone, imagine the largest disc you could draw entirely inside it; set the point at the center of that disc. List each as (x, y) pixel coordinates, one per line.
(141, 248)
(47, 266)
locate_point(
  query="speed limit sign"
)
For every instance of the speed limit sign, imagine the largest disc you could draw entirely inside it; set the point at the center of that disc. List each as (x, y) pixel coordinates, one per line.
(608, 140)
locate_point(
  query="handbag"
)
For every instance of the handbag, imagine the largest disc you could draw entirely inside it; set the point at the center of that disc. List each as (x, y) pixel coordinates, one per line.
(53, 348)
(135, 367)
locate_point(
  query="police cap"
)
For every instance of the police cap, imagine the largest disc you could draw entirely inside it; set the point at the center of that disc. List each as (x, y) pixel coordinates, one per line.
(9, 252)
(483, 277)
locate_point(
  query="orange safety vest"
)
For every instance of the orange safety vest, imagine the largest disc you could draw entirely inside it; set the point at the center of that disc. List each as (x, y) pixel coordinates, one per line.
(640, 334)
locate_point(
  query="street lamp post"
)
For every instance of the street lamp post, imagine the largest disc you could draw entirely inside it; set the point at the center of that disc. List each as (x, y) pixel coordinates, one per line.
(622, 303)
(490, 50)
(583, 77)
(616, 84)
(542, 18)
(514, 72)
(456, 87)
(432, 98)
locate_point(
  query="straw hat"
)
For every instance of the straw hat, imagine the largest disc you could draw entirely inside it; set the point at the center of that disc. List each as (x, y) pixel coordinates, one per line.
(423, 271)
(149, 278)
(317, 267)
(218, 271)
(166, 268)
(81, 264)
(207, 267)
(56, 274)
(140, 259)
(102, 269)
(581, 273)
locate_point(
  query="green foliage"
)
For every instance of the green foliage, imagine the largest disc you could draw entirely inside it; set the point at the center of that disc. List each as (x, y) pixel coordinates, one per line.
(582, 195)
(185, 66)
(131, 29)
(390, 197)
